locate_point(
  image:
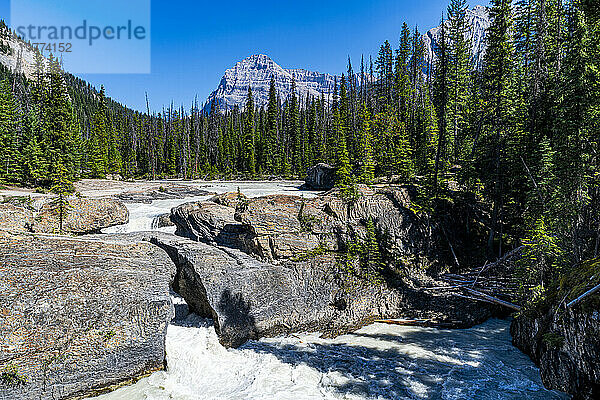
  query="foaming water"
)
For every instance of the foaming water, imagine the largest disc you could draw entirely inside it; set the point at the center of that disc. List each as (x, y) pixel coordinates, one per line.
(376, 362)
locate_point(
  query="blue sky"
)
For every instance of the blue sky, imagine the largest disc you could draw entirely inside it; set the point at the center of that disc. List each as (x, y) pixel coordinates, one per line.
(194, 42)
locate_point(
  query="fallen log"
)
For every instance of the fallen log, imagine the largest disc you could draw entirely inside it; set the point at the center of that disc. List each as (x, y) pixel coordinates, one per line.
(491, 299)
(583, 296)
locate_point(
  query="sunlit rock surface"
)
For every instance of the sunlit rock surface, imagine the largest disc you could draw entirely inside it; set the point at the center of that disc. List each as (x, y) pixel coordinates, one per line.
(78, 315)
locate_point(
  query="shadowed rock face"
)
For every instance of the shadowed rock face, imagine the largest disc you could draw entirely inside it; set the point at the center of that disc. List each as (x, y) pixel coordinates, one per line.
(79, 315)
(571, 363)
(83, 215)
(320, 177)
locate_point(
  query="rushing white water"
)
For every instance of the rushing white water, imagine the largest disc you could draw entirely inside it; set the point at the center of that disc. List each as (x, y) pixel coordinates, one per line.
(141, 216)
(377, 362)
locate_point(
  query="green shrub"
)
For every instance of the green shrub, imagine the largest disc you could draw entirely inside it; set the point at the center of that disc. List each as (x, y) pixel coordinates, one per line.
(553, 340)
(11, 376)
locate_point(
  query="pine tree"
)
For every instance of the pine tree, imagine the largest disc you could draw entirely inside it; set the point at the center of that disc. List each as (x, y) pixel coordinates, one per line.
(99, 142)
(366, 141)
(344, 169)
(9, 151)
(62, 187)
(294, 131)
(249, 154)
(33, 158)
(442, 97)
(459, 59)
(58, 123)
(271, 136)
(500, 95)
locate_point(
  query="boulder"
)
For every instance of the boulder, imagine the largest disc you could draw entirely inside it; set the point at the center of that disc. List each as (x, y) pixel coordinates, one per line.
(162, 221)
(14, 218)
(248, 298)
(83, 215)
(283, 227)
(80, 316)
(209, 223)
(230, 199)
(279, 264)
(320, 177)
(279, 227)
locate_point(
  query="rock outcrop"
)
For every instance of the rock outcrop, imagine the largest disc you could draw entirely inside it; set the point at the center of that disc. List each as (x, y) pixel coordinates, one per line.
(82, 216)
(208, 222)
(566, 346)
(282, 227)
(248, 299)
(229, 199)
(284, 262)
(565, 341)
(320, 177)
(80, 316)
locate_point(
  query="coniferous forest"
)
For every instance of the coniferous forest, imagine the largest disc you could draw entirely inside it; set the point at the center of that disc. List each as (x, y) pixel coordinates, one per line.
(520, 132)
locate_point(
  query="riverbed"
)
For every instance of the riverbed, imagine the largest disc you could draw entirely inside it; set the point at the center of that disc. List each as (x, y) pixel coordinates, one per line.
(378, 361)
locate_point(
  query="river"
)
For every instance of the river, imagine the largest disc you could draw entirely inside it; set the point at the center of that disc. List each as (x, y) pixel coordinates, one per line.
(376, 362)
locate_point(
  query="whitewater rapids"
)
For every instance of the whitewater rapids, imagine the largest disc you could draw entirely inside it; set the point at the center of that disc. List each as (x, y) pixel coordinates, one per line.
(376, 362)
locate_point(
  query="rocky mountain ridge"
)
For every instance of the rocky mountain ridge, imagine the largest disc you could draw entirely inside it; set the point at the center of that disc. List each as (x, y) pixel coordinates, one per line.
(18, 56)
(256, 70)
(478, 21)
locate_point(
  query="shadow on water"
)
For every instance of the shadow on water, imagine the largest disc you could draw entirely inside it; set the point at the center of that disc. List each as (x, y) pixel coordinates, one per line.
(417, 363)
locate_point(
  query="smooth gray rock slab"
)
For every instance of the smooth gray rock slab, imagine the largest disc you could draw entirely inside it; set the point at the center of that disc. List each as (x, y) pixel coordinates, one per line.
(78, 315)
(82, 215)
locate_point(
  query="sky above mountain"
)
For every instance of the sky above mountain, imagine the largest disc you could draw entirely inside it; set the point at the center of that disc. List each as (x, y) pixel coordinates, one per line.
(194, 42)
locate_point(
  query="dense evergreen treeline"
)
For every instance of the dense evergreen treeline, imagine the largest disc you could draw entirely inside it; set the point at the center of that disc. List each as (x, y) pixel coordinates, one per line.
(521, 131)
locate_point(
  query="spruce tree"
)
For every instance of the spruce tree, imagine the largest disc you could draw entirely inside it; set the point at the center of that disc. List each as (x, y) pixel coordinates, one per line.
(58, 123)
(62, 186)
(271, 129)
(99, 142)
(33, 158)
(500, 96)
(344, 169)
(249, 154)
(9, 150)
(459, 73)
